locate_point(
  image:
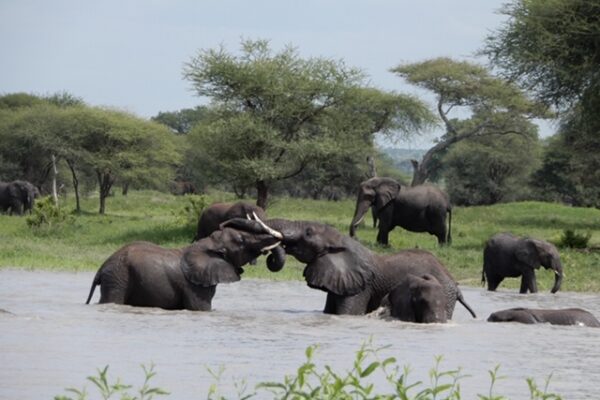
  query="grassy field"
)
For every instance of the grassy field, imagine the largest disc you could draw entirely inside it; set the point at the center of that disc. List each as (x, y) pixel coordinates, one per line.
(86, 240)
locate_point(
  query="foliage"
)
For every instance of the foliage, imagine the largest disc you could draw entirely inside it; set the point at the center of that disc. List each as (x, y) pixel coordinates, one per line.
(310, 382)
(117, 390)
(490, 169)
(47, 215)
(280, 113)
(574, 240)
(495, 106)
(191, 211)
(182, 121)
(551, 48)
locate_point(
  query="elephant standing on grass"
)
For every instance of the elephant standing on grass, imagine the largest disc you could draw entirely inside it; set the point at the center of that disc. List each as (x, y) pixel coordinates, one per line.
(417, 209)
(356, 279)
(418, 298)
(506, 255)
(217, 213)
(17, 197)
(146, 275)
(567, 316)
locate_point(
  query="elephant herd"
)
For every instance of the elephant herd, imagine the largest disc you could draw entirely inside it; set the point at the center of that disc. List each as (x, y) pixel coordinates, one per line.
(17, 197)
(412, 285)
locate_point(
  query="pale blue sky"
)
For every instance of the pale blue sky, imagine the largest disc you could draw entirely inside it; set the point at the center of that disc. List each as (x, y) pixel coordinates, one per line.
(129, 54)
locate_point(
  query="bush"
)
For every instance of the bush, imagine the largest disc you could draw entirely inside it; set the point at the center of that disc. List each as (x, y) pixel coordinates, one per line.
(190, 214)
(46, 214)
(574, 240)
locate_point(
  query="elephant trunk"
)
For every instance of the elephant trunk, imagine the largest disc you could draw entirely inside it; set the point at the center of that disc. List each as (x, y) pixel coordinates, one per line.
(359, 213)
(558, 270)
(276, 260)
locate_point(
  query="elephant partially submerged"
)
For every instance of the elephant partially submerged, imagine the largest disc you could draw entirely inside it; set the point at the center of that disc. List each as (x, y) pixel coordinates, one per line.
(509, 256)
(356, 279)
(144, 274)
(417, 209)
(567, 316)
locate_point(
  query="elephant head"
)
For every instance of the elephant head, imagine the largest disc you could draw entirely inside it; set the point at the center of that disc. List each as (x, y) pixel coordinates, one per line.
(334, 262)
(534, 252)
(219, 257)
(418, 299)
(374, 192)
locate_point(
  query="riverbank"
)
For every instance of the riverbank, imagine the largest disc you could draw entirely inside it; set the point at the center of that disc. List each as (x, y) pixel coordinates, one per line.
(86, 240)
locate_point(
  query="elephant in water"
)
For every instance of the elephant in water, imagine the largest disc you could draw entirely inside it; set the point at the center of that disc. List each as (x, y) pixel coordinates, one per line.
(567, 316)
(417, 209)
(217, 213)
(418, 298)
(506, 255)
(356, 279)
(146, 275)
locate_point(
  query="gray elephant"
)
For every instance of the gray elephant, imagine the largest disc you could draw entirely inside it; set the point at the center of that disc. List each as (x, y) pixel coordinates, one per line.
(17, 197)
(418, 298)
(217, 213)
(506, 255)
(416, 209)
(567, 316)
(356, 279)
(146, 275)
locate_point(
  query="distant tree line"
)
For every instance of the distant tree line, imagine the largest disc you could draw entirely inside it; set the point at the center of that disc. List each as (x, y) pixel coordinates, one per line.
(277, 123)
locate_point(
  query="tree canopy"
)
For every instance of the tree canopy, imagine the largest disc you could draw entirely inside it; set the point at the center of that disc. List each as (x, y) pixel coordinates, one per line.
(279, 112)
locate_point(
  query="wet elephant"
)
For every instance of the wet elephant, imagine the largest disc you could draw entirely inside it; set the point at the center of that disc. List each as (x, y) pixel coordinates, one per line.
(508, 256)
(356, 279)
(567, 316)
(146, 275)
(217, 213)
(417, 209)
(418, 298)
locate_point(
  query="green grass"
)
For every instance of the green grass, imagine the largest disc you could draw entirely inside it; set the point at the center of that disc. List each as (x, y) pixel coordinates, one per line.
(88, 239)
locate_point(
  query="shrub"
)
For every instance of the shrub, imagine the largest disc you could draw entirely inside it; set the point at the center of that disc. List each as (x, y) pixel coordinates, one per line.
(47, 214)
(190, 213)
(574, 240)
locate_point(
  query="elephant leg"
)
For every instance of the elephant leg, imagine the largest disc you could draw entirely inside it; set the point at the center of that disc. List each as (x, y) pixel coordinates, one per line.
(528, 282)
(112, 294)
(493, 281)
(347, 305)
(199, 298)
(383, 233)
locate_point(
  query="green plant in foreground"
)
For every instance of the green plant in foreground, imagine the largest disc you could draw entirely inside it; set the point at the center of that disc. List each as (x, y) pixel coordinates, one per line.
(46, 214)
(310, 382)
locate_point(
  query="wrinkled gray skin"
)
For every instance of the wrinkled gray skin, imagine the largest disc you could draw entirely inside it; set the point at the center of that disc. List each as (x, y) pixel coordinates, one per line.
(146, 275)
(567, 316)
(417, 209)
(215, 214)
(418, 298)
(356, 279)
(508, 256)
(17, 197)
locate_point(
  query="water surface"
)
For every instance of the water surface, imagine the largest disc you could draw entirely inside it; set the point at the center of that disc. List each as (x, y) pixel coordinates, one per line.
(259, 330)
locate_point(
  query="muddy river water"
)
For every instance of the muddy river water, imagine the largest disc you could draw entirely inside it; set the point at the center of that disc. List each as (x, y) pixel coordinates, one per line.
(259, 330)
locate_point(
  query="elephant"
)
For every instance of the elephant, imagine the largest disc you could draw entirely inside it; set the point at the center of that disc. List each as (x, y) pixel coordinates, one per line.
(567, 316)
(17, 197)
(180, 188)
(146, 275)
(417, 209)
(506, 255)
(217, 213)
(418, 298)
(356, 279)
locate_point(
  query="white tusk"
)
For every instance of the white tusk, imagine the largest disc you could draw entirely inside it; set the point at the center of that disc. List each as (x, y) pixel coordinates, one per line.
(563, 274)
(249, 217)
(271, 247)
(360, 220)
(271, 231)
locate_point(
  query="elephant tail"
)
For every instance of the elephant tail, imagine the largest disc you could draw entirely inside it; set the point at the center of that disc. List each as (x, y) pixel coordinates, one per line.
(95, 283)
(449, 237)
(462, 301)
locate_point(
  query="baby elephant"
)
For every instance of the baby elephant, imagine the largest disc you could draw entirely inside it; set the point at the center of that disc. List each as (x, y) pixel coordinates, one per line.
(506, 255)
(144, 274)
(418, 299)
(567, 316)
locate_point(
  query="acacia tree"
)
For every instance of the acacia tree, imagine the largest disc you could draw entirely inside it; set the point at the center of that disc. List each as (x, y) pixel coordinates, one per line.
(494, 106)
(279, 112)
(553, 49)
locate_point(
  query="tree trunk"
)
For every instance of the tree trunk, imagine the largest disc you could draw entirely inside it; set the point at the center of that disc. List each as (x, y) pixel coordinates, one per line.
(54, 174)
(105, 180)
(125, 189)
(372, 168)
(262, 194)
(71, 165)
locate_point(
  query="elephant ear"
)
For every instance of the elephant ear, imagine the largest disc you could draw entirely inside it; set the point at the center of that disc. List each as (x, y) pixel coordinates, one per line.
(339, 273)
(207, 267)
(527, 253)
(386, 191)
